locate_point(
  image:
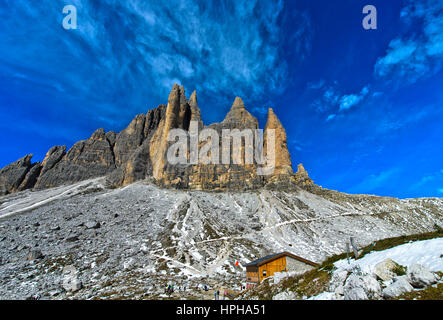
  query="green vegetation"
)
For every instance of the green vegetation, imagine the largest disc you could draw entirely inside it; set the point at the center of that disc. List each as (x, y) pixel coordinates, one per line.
(399, 270)
(309, 284)
(438, 228)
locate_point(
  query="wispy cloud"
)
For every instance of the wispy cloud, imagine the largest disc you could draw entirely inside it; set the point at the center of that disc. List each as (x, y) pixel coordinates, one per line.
(350, 100)
(199, 43)
(375, 181)
(125, 51)
(415, 55)
(316, 84)
(333, 98)
(428, 179)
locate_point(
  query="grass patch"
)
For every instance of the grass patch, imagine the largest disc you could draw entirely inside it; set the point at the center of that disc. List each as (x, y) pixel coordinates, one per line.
(310, 283)
(399, 270)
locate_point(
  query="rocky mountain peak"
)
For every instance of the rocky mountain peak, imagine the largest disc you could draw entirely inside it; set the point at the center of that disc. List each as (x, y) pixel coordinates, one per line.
(99, 134)
(140, 151)
(177, 95)
(193, 99)
(238, 103)
(302, 177)
(240, 118)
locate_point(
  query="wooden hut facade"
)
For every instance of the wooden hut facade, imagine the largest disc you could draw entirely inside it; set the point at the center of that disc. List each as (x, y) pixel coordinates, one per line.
(260, 269)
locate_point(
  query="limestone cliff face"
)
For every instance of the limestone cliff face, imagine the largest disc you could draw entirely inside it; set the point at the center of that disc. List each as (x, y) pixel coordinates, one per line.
(86, 159)
(140, 151)
(283, 164)
(139, 164)
(129, 140)
(13, 175)
(178, 116)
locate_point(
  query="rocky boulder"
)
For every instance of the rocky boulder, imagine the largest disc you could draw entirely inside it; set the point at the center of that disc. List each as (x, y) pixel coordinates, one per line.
(35, 254)
(285, 295)
(385, 270)
(399, 286)
(337, 281)
(92, 225)
(357, 293)
(420, 276)
(365, 282)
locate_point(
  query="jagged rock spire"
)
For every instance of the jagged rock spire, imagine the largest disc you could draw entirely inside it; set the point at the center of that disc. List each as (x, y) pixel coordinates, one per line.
(178, 116)
(283, 164)
(302, 177)
(178, 111)
(195, 110)
(238, 104)
(99, 134)
(238, 117)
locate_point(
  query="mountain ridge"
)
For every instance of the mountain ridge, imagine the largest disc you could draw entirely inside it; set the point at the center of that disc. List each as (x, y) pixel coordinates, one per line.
(139, 152)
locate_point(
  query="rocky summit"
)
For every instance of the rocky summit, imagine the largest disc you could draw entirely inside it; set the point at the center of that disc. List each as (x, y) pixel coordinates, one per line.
(140, 152)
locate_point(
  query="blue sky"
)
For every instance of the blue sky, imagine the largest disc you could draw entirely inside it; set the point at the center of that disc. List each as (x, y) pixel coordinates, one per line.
(363, 109)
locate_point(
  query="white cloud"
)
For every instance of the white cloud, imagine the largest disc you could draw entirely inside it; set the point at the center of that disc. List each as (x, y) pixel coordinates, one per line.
(348, 101)
(332, 97)
(418, 54)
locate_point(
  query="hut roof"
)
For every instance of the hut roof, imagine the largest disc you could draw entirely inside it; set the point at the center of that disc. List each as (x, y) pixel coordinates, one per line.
(274, 256)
